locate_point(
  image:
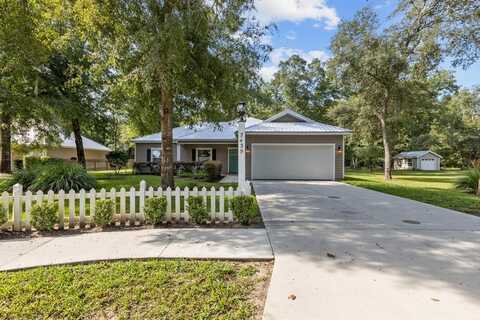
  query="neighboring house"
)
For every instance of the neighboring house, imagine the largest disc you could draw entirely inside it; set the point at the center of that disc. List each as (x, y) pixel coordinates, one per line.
(417, 160)
(285, 146)
(95, 153)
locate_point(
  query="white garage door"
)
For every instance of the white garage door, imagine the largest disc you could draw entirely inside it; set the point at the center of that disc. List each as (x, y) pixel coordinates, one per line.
(428, 164)
(293, 161)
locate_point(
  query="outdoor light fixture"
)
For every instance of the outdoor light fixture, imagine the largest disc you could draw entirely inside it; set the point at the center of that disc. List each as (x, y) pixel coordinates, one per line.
(242, 111)
(339, 148)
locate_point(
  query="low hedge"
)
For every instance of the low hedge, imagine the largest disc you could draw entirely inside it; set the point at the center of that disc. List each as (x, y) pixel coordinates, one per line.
(244, 209)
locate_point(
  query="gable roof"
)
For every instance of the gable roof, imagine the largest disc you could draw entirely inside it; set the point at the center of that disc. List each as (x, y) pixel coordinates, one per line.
(88, 144)
(415, 154)
(223, 131)
(226, 131)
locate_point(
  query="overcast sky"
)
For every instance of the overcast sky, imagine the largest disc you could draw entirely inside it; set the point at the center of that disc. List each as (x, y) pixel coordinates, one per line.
(305, 27)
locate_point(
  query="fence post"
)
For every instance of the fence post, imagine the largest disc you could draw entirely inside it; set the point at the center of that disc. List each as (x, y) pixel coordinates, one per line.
(17, 207)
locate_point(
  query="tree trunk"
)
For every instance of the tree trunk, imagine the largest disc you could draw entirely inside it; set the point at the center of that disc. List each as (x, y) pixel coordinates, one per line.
(6, 143)
(77, 133)
(166, 164)
(386, 147)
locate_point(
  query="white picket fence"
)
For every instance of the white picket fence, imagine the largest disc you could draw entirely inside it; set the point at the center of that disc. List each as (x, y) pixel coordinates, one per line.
(72, 206)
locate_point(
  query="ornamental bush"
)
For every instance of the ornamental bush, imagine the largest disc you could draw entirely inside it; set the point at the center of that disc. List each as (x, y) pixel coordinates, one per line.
(62, 176)
(44, 216)
(244, 208)
(213, 169)
(155, 210)
(103, 213)
(470, 181)
(197, 210)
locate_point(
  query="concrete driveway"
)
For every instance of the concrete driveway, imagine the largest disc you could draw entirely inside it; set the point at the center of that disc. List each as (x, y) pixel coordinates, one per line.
(394, 258)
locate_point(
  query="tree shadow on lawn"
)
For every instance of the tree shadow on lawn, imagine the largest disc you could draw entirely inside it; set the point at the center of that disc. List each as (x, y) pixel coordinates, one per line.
(366, 231)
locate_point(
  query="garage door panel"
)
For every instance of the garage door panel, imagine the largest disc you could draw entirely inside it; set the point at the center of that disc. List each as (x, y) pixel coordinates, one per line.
(293, 162)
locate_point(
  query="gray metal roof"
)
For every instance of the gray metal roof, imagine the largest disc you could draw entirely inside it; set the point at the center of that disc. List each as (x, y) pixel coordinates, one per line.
(88, 144)
(415, 154)
(225, 131)
(296, 127)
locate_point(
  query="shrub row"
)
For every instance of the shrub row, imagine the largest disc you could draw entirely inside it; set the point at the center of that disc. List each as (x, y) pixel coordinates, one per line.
(45, 215)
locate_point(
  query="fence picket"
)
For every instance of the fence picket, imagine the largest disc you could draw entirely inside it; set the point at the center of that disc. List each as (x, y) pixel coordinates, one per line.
(221, 204)
(168, 194)
(177, 203)
(28, 209)
(213, 201)
(71, 209)
(122, 206)
(143, 187)
(186, 194)
(93, 199)
(113, 198)
(50, 197)
(61, 209)
(132, 206)
(17, 207)
(203, 194)
(82, 208)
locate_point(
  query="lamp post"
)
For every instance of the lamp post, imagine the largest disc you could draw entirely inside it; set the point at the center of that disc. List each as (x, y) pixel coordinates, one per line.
(242, 111)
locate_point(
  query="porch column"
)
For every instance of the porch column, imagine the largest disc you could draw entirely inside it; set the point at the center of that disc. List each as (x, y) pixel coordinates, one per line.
(178, 152)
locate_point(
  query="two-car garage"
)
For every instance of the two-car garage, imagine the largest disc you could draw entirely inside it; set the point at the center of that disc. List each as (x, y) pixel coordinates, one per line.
(305, 161)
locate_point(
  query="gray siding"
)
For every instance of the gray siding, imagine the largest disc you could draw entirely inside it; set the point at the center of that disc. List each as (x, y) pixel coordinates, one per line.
(336, 139)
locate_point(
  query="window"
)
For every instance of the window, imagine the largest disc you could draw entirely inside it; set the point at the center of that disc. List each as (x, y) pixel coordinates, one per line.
(409, 162)
(204, 154)
(155, 155)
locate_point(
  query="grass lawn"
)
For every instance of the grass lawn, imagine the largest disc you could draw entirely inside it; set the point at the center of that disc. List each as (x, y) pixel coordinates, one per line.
(153, 289)
(108, 180)
(437, 188)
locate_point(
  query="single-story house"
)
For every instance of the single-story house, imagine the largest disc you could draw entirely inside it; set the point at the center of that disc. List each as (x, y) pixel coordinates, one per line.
(95, 153)
(417, 160)
(285, 146)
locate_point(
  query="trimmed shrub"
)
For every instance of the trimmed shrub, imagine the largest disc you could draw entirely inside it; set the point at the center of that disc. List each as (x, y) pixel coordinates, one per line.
(32, 162)
(44, 216)
(197, 210)
(470, 181)
(213, 169)
(25, 177)
(244, 208)
(62, 176)
(117, 160)
(103, 213)
(3, 216)
(155, 209)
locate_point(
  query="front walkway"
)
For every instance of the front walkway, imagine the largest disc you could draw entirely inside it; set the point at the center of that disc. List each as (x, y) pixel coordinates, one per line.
(343, 252)
(237, 244)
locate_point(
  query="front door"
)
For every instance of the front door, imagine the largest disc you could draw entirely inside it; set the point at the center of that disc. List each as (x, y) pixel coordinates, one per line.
(232, 160)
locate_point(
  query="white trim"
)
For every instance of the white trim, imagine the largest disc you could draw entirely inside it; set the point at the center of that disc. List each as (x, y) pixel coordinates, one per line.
(208, 142)
(228, 158)
(309, 133)
(151, 153)
(196, 152)
(291, 113)
(179, 158)
(293, 144)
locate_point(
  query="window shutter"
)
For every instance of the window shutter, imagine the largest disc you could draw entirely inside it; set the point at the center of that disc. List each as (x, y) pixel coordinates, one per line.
(214, 154)
(149, 155)
(194, 151)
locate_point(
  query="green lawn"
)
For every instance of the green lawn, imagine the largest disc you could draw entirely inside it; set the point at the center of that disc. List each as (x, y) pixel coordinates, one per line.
(108, 180)
(437, 188)
(153, 289)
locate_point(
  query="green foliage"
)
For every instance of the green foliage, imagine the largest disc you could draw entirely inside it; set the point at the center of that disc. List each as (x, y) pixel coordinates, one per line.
(32, 162)
(197, 210)
(103, 213)
(213, 169)
(44, 216)
(62, 177)
(470, 181)
(244, 208)
(25, 177)
(155, 209)
(117, 159)
(3, 215)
